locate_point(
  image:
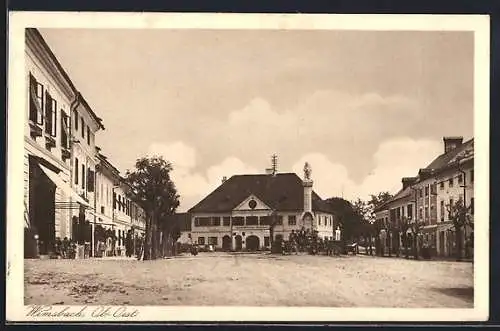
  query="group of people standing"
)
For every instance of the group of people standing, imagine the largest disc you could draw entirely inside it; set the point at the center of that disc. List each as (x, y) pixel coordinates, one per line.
(308, 241)
(109, 247)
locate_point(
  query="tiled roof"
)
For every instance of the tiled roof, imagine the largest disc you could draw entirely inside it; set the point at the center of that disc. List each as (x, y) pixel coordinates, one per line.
(447, 159)
(281, 192)
(441, 162)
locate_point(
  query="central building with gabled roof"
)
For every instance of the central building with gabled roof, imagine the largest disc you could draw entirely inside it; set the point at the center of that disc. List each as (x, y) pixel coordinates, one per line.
(239, 213)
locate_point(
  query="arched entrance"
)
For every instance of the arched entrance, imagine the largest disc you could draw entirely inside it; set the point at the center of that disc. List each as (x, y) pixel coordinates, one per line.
(226, 243)
(252, 243)
(238, 243)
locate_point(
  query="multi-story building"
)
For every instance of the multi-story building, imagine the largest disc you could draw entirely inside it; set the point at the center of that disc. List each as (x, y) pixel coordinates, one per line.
(49, 197)
(448, 178)
(455, 181)
(84, 126)
(237, 215)
(394, 214)
(114, 209)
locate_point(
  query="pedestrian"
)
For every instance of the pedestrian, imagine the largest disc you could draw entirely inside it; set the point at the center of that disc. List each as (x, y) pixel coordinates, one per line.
(65, 247)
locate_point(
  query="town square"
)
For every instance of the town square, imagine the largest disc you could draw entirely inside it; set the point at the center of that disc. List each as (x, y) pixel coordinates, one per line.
(225, 167)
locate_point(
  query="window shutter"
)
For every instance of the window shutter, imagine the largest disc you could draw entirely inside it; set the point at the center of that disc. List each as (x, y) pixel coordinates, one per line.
(54, 118)
(90, 180)
(48, 113)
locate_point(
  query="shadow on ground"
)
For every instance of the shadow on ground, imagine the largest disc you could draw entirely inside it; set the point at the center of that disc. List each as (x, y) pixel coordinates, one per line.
(465, 293)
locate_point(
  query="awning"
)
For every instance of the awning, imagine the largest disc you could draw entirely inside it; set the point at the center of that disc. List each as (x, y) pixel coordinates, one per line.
(63, 185)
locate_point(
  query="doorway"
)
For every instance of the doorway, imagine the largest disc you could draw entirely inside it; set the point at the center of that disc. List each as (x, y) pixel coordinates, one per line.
(226, 243)
(252, 243)
(42, 207)
(238, 243)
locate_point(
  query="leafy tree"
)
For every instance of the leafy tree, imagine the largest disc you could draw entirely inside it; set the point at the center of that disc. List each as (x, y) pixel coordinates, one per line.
(155, 192)
(416, 230)
(346, 217)
(460, 216)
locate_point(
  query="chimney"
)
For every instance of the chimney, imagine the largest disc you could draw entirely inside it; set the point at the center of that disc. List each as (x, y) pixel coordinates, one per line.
(451, 143)
(407, 181)
(224, 179)
(269, 171)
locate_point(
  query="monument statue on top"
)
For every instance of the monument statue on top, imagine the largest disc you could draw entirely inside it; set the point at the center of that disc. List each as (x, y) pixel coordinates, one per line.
(307, 171)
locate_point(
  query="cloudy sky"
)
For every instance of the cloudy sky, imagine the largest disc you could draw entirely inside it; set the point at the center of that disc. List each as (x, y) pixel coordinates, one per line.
(364, 108)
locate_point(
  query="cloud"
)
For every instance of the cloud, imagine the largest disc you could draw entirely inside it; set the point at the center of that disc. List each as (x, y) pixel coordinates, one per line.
(394, 159)
(193, 186)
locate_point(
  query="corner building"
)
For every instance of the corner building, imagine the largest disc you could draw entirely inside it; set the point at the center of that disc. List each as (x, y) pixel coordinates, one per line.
(237, 215)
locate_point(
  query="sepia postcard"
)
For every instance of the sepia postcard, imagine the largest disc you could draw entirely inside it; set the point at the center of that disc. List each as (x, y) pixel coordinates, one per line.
(247, 167)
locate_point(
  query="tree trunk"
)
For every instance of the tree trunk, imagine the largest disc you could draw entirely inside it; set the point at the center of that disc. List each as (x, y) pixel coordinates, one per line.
(458, 239)
(405, 243)
(154, 241)
(147, 239)
(415, 245)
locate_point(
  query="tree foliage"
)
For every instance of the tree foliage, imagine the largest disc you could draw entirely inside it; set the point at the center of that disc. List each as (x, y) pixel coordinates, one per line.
(155, 192)
(460, 215)
(349, 217)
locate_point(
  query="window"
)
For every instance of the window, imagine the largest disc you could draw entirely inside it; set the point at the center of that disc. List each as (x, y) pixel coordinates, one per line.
(76, 118)
(280, 220)
(278, 237)
(64, 130)
(450, 182)
(50, 114)
(252, 220)
(472, 206)
(76, 171)
(83, 176)
(460, 178)
(451, 202)
(420, 213)
(292, 220)
(265, 220)
(426, 212)
(114, 200)
(427, 191)
(83, 126)
(215, 221)
(238, 220)
(441, 185)
(319, 220)
(36, 101)
(266, 242)
(433, 189)
(201, 240)
(441, 209)
(102, 209)
(88, 135)
(420, 192)
(90, 180)
(226, 221)
(472, 176)
(212, 241)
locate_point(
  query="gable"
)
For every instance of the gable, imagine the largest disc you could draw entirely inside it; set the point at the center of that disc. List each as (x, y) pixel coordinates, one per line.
(246, 205)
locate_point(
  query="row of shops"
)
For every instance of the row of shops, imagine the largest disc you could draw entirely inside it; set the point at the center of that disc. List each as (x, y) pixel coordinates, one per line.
(72, 193)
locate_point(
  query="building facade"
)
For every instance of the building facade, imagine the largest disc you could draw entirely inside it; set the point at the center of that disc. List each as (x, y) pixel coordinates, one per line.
(429, 195)
(48, 193)
(239, 213)
(84, 126)
(69, 187)
(116, 211)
